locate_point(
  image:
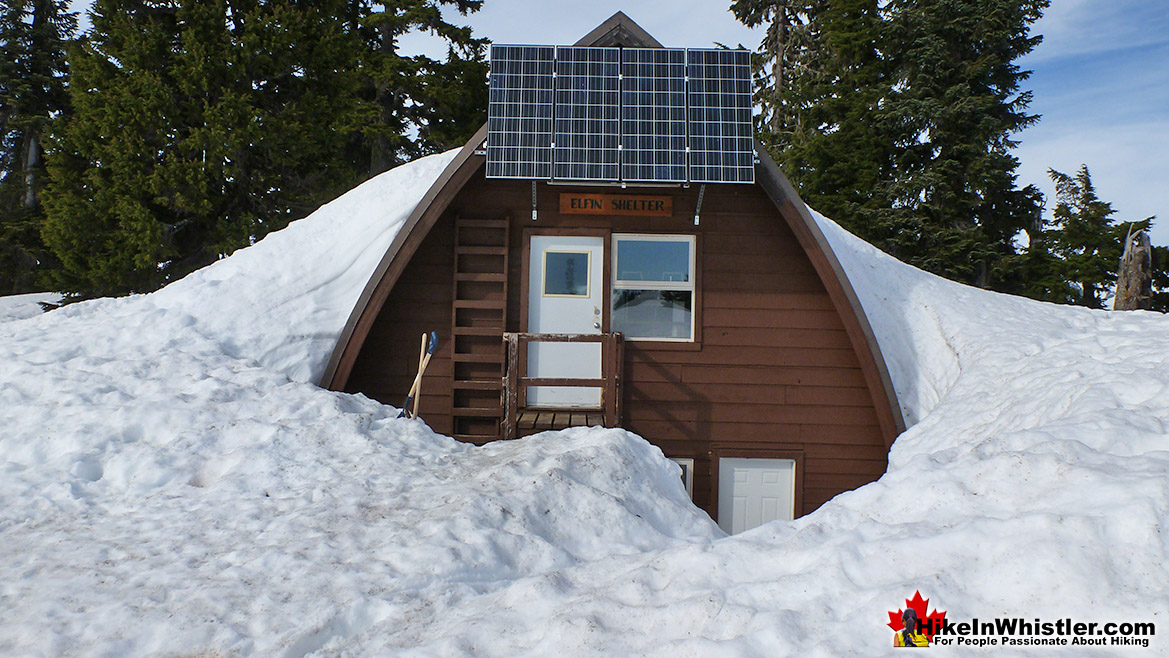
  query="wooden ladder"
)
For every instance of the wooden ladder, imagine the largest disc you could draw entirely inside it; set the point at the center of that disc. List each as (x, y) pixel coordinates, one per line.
(478, 319)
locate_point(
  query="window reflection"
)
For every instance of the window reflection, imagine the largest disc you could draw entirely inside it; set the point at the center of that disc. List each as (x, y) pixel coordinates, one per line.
(566, 273)
(653, 313)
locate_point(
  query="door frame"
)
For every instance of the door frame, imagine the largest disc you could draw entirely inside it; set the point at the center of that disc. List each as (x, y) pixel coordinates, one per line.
(526, 268)
(758, 453)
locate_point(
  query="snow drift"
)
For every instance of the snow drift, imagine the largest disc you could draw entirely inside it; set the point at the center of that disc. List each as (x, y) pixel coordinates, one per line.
(19, 307)
(173, 485)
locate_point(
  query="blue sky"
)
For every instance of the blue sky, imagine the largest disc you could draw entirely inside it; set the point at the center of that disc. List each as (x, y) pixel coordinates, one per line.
(1100, 81)
(1101, 84)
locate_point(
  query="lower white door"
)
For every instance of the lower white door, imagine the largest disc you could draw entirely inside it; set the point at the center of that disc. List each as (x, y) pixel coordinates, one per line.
(565, 296)
(752, 492)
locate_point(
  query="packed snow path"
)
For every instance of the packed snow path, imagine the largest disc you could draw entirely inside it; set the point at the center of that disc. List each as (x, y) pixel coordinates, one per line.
(173, 484)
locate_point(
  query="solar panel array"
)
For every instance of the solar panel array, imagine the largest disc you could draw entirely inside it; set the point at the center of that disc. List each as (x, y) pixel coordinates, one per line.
(612, 114)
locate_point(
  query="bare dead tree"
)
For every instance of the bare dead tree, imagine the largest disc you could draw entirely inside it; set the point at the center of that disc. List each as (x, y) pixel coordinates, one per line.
(1134, 279)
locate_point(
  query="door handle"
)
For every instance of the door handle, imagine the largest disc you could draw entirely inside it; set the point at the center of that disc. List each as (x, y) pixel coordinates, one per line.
(597, 325)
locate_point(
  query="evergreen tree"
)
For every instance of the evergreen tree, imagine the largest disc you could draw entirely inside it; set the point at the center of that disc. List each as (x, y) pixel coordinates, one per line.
(788, 57)
(199, 126)
(820, 116)
(956, 104)
(899, 124)
(1160, 279)
(33, 38)
(1085, 239)
(454, 104)
(442, 102)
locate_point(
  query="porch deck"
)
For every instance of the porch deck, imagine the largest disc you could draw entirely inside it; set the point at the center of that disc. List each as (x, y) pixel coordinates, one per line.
(531, 421)
(521, 420)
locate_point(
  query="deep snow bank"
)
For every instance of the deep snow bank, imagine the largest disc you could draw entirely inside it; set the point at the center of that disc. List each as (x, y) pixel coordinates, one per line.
(284, 301)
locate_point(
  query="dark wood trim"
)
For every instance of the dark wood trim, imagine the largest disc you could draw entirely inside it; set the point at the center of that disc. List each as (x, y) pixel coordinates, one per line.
(699, 266)
(405, 243)
(607, 283)
(777, 187)
(582, 232)
(737, 452)
(525, 276)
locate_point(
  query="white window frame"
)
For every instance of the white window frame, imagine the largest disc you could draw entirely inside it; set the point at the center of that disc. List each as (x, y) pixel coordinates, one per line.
(690, 286)
(687, 466)
(588, 273)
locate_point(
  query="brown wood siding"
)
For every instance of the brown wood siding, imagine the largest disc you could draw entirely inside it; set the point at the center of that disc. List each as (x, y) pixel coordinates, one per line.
(774, 373)
(420, 302)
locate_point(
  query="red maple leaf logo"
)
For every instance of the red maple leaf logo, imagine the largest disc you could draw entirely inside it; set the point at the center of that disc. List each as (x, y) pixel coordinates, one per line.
(930, 623)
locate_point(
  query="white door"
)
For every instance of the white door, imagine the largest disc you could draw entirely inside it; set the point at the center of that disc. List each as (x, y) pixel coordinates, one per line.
(565, 296)
(752, 492)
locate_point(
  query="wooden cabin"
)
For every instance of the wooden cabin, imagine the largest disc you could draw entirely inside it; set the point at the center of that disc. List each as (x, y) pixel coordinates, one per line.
(713, 320)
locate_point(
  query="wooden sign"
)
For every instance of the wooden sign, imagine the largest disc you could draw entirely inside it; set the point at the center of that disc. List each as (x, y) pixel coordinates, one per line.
(574, 203)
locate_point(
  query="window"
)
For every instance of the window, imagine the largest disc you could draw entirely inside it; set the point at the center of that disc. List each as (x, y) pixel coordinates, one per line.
(566, 273)
(653, 287)
(687, 465)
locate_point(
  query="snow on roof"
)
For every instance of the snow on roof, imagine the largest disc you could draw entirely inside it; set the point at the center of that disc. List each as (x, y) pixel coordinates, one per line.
(173, 485)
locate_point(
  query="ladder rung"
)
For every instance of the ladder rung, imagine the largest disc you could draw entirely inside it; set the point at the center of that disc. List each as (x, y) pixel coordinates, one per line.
(481, 251)
(481, 277)
(477, 358)
(479, 412)
(478, 331)
(480, 303)
(482, 223)
(479, 384)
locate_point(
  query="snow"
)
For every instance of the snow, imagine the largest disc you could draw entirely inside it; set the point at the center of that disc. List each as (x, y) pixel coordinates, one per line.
(173, 484)
(19, 307)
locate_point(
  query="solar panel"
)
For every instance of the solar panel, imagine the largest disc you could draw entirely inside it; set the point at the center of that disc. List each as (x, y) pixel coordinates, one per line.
(719, 98)
(586, 114)
(653, 114)
(608, 114)
(519, 116)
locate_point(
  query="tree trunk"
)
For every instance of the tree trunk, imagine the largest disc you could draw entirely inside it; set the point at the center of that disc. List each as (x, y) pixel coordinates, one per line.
(1134, 279)
(381, 157)
(30, 162)
(779, 39)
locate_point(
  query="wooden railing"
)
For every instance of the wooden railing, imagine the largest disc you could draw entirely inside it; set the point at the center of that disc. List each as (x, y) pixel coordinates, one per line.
(515, 384)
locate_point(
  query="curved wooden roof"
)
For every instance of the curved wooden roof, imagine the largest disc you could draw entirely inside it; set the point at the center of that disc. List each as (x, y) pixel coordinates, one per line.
(621, 30)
